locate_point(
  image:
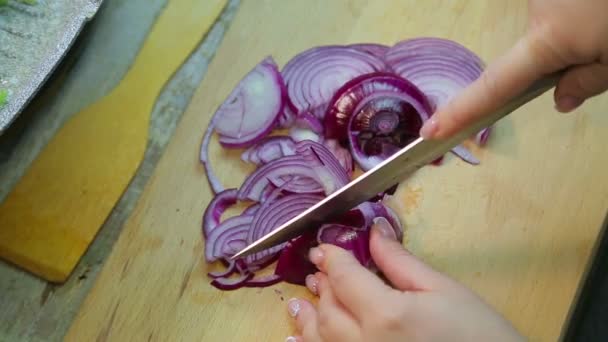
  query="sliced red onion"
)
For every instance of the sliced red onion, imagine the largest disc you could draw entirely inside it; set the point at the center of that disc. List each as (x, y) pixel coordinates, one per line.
(250, 210)
(298, 185)
(441, 68)
(482, 137)
(264, 281)
(313, 76)
(252, 109)
(373, 49)
(301, 134)
(228, 284)
(307, 127)
(351, 98)
(293, 265)
(337, 175)
(309, 121)
(287, 118)
(465, 154)
(354, 240)
(341, 154)
(228, 238)
(214, 182)
(216, 208)
(259, 180)
(269, 217)
(225, 273)
(269, 149)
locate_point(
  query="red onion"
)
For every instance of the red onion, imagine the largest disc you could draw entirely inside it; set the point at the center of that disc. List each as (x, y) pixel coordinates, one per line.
(330, 172)
(373, 49)
(465, 154)
(341, 154)
(441, 68)
(228, 238)
(269, 217)
(269, 149)
(214, 182)
(313, 76)
(482, 137)
(231, 283)
(298, 185)
(379, 113)
(278, 169)
(353, 239)
(216, 208)
(225, 273)
(307, 127)
(253, 107)
(293, 265)
(353, 96)
(287, 118)
(360, 102)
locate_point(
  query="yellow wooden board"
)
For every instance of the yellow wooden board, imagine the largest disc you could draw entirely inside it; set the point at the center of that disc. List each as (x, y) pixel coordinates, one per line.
(54, 212)
(518, 229)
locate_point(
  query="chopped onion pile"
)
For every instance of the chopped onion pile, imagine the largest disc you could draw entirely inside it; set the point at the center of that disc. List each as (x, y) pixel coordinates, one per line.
(337, 107)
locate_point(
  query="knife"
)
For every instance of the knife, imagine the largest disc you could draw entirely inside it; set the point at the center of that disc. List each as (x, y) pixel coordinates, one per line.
(388, 173)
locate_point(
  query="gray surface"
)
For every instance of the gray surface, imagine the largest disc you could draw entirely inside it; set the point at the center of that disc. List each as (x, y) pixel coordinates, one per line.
(33, 39)
(31, 309)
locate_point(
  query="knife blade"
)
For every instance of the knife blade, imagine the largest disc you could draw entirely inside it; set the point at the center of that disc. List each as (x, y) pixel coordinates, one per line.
(388, 173)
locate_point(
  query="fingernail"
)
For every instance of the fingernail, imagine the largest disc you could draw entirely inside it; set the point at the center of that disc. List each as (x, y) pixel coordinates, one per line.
(291, 339)
(315, 255)
(430, 128)
(384, 228)
(293, 306)
(566, 104)
(312, 283)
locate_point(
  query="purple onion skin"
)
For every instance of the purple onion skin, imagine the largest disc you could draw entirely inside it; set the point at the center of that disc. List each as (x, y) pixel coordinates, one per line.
(294, 265)
(347, 98)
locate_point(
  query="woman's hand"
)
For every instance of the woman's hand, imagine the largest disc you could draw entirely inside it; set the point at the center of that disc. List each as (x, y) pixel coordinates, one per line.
(561, 34)
(421, 305)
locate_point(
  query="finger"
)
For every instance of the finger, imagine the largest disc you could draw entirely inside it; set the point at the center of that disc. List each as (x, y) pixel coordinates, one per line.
(312, 284)
(527, 61)
(335, 322)
(294, 339)
(354, 285)
(579, 84)
(306, 318)
(401, 268)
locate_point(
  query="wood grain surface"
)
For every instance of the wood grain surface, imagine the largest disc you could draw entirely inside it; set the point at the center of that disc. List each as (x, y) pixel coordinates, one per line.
(518, 229)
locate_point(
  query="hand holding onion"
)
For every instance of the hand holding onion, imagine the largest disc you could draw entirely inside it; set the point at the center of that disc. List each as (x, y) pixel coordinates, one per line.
(419, 304)
(562, 34)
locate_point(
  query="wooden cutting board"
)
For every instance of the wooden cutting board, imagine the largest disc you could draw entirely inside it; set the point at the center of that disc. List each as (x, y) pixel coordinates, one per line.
(518, 229)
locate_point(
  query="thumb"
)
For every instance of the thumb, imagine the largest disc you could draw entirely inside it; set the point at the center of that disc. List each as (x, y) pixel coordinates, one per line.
(579, 84)
(402, 269)
(527, 61)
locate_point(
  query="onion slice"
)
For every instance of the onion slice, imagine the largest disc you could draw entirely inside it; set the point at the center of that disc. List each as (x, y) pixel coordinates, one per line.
(269, 149)
(355, 94)
(373, 49)
(252, 109)
(216, 208)
(313, 76)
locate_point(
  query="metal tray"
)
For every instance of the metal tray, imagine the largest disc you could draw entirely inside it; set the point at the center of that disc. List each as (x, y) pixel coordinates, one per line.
(33, 40)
